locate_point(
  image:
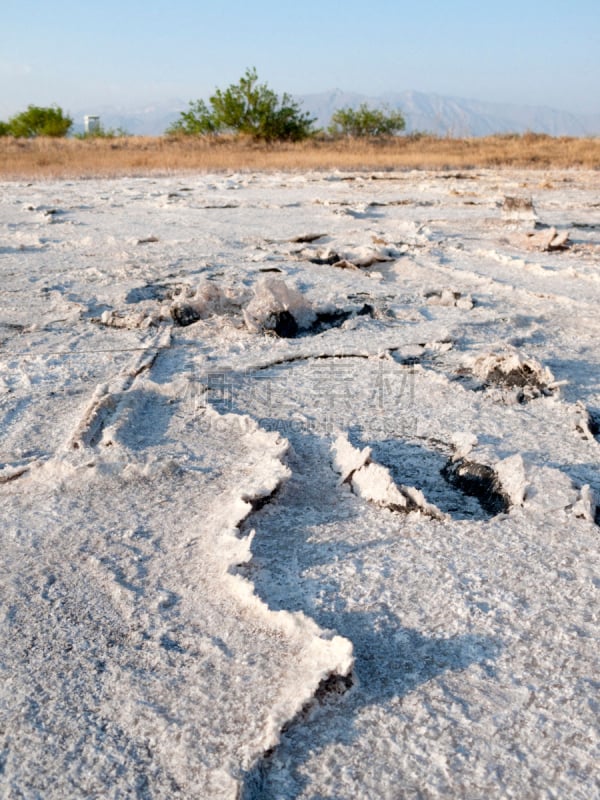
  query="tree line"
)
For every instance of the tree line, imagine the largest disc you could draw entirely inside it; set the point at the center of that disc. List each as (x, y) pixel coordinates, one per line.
(247, 108)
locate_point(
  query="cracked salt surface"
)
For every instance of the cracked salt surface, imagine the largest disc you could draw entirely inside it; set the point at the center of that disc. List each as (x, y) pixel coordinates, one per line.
(194, 602)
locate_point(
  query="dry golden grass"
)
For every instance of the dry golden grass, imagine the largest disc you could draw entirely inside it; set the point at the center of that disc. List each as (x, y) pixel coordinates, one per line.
(137, 155)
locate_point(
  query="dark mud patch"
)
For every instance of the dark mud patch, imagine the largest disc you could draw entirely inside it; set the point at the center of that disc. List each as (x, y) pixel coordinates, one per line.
(460, 491)
(184, 314)
(258, 503)
(284, 325)
(334, 684)
(307, 238)
(479, 481)
(522, 376)
(331, 259)
(336, 318)
(594, 423)
(522, 379)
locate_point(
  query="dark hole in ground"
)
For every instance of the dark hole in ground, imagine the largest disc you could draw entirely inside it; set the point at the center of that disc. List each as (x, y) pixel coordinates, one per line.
(184, 315)
(426, 468)
(287, 327)
(329, 319)
(331, 259)
(283, 323)
(333, 684)
(594, 423)
(479, 481)
(260, 502)
(333, 319)
(307, 238)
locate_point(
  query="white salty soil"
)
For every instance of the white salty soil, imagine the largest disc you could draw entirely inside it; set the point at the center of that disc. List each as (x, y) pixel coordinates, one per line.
(298, 484)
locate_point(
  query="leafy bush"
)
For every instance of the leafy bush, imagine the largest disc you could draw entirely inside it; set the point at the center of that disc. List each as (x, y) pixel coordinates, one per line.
(364, 122)
(40, 121)
(4, 128)
(249, 108)
(198, 121)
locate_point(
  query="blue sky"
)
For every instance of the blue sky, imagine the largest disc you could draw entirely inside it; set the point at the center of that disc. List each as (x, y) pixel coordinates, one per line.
(129, 53)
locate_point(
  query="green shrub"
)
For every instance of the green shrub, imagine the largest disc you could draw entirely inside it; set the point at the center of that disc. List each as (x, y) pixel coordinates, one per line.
(40, 121)
(363, 122)
(197, 121)
(249, 108)
(4, 128)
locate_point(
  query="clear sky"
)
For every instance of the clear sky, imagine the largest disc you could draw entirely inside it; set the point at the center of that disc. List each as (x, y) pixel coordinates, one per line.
(130, 53)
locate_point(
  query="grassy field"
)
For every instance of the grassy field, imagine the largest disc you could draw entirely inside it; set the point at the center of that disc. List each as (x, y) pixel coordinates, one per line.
(137, 155)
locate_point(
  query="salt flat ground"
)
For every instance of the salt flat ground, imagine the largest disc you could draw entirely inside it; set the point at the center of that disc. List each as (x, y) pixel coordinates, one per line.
(298, 481)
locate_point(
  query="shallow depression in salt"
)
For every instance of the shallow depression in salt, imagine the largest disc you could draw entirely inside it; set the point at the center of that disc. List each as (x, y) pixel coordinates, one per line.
(299, 480)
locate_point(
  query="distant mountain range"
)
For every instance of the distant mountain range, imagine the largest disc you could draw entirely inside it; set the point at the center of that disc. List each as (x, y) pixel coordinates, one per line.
(431, 113)
(457, 116)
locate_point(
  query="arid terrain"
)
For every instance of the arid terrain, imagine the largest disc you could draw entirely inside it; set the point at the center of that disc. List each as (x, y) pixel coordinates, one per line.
(136, 155)
(299, 470)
